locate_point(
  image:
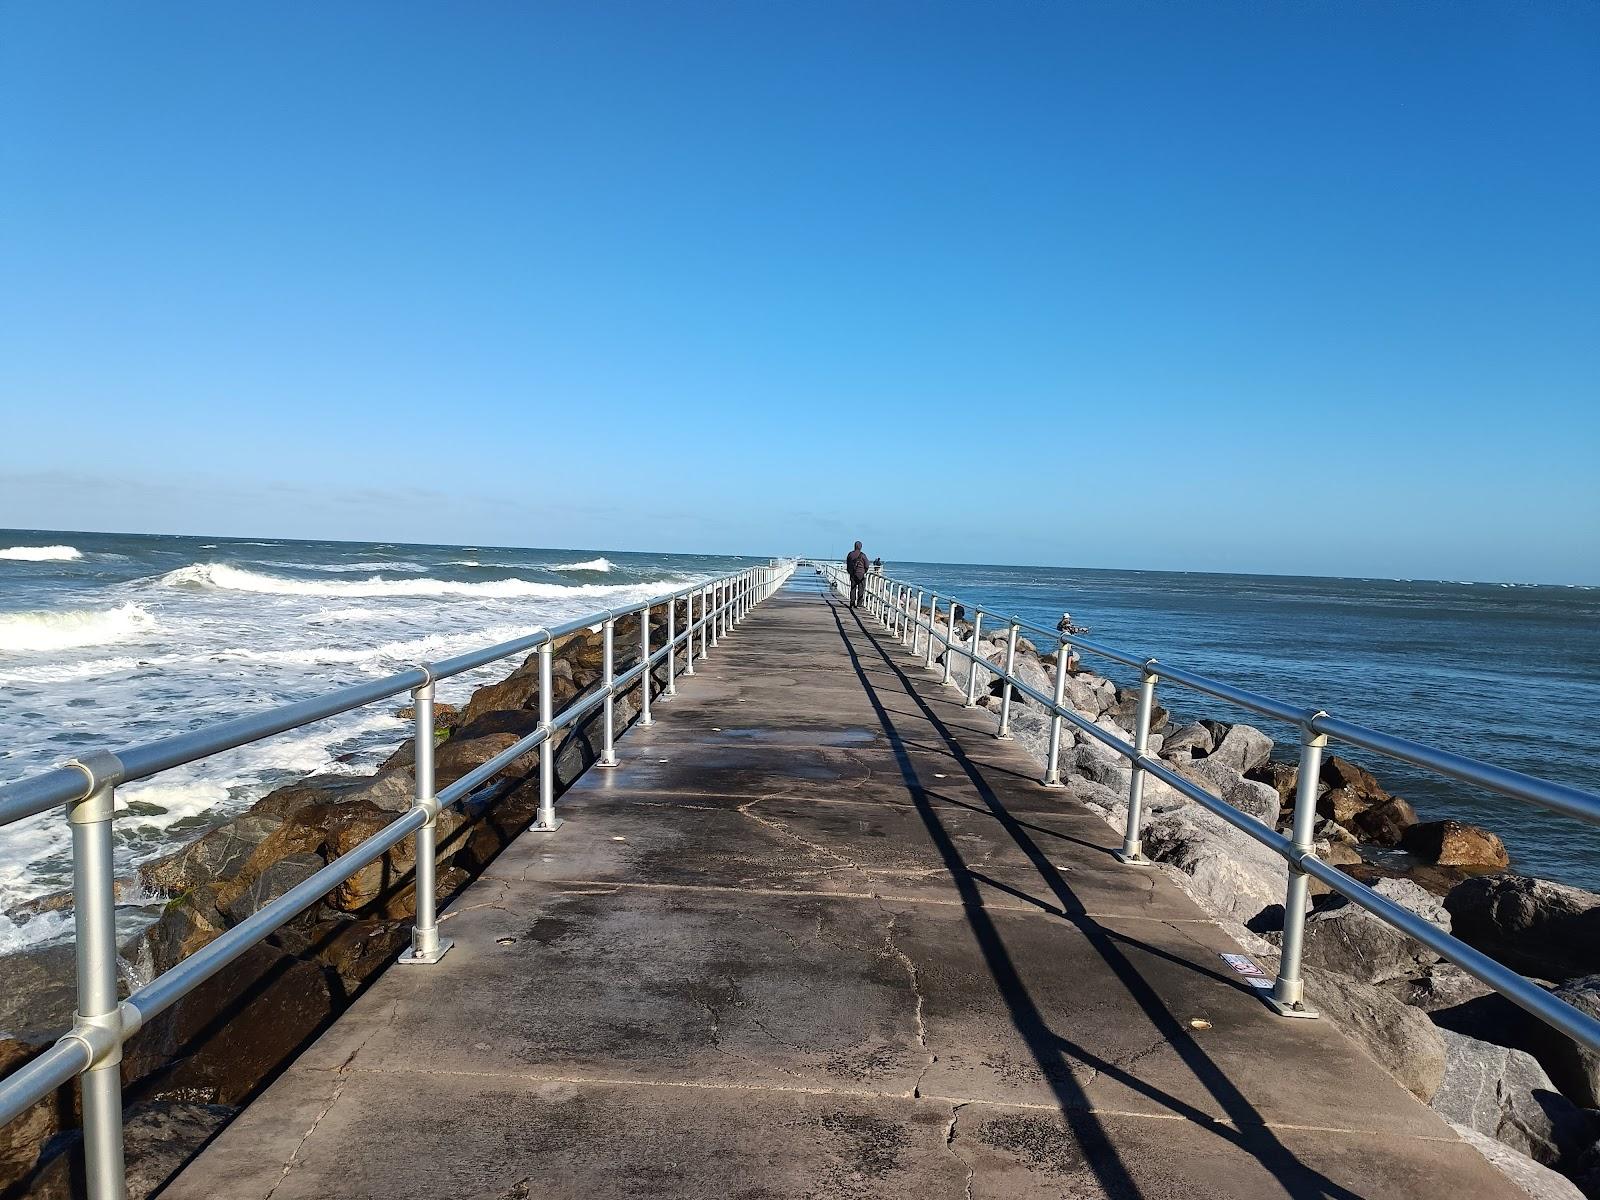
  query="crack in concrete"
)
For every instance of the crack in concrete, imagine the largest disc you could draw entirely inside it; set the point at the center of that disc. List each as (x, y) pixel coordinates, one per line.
(950, 1146)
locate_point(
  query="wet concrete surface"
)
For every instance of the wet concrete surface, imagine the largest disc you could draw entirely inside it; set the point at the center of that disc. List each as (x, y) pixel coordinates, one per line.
(840, 943)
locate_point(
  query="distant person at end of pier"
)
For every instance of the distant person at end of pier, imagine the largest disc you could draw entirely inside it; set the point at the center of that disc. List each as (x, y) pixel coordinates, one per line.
(855, 564)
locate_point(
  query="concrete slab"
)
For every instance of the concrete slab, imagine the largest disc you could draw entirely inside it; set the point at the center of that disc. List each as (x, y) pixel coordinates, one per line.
(840, 943)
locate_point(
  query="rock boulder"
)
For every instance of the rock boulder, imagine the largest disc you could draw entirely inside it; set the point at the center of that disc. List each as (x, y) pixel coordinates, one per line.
(1400, 1039)
(1456, 844)
(1505, 1094)
(1540, 928)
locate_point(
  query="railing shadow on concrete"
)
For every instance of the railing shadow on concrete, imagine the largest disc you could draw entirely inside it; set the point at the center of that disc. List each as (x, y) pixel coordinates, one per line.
(1051, 1049)
(92, 1049)
(898, 606)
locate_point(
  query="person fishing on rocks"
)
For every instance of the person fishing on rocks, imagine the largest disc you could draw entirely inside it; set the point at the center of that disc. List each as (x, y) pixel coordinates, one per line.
(855, 564)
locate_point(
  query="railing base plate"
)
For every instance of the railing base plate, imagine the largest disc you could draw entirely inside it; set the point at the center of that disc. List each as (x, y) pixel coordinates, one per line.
(1299, 1011)
(1132, 860)
(539, 827)
(412, 959)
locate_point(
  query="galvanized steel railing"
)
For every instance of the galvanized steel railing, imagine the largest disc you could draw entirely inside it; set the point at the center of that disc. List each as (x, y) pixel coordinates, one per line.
(93, 1047)
(898, 605)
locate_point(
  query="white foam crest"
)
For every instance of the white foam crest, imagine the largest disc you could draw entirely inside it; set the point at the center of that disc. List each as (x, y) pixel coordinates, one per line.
(176, 801)
(36, 930)
(35, 631)
(41, 553)
(413, 650)
(67, 672)
(331, 615)
(227, 578)
(590, 564)
(463, 562)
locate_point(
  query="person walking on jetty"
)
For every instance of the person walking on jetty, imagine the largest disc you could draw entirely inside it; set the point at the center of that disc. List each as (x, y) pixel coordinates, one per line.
(855, 564)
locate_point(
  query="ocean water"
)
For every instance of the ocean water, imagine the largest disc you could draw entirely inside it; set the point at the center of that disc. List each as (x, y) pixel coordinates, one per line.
(1505, 673)
(107, 640)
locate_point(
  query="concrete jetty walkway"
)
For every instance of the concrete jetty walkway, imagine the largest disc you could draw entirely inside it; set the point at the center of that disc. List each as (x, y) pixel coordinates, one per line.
(821, 935)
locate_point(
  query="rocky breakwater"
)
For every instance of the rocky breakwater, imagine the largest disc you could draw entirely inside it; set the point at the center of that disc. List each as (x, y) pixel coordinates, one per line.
(188, 1071)
(1526, 1095)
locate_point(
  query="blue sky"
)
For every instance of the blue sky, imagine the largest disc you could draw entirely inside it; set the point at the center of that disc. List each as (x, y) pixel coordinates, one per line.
(1301, 288)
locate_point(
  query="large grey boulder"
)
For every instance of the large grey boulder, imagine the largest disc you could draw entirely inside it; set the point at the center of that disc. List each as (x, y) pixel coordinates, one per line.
(1346, 938)
(1229, 873)
(1244, 748)
(1188, 741)
(1536, 1180)
(1082, 694)
(1228, 783)
(216, 856)
(1537, 927)
(1505, 1094)
(1400, 1039)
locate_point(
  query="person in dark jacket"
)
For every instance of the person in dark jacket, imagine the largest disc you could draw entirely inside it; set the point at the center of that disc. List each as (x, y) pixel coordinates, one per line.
(855, 564)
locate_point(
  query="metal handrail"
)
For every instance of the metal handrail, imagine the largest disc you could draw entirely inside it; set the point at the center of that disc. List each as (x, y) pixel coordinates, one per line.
(898, 605)
(92, 1048)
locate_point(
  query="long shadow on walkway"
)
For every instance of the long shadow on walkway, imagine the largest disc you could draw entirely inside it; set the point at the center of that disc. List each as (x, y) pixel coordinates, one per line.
(1052, 1051)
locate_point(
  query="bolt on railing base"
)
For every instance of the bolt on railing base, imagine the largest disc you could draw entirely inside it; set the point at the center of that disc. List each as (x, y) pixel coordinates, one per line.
(554, 824)
(1298, 1009)
(1136, 859)
(417, 958)
(1053, 784)
(608, 763)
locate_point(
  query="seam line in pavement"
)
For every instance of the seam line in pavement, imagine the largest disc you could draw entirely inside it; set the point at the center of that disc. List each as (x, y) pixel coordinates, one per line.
(616, 885)
(857, 1094)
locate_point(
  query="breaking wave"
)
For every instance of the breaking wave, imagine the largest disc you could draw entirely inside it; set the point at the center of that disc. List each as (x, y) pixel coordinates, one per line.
(349, 568)
(222, 577)
(41, 553)
(589, 564)
(33, 631)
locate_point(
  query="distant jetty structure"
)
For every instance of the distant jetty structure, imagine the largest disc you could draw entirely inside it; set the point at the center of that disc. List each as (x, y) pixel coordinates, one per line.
(744, 891)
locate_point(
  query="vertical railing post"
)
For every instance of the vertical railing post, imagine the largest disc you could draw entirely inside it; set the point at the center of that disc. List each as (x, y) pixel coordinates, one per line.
(1132, 851)
(688, 633)
(672, 650)
(716, 613)
(1288, 990)
(645, 718)
(949, 639)
(608, 681)
(916, 625)
(547, 821)
(95, 920)
(933, 621)
(426, 948)
(1052, 762)
(705, 621)
(972, 673)
(1004, 732)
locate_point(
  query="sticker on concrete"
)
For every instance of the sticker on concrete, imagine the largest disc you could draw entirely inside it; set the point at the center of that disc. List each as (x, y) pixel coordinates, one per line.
(1244, 965)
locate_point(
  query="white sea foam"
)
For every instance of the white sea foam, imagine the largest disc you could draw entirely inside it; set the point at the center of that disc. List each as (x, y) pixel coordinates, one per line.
(41, 553)
(332, 615)
(591, 564)
(413, 650)
(224, 577)
(36, 631)
(59, 672)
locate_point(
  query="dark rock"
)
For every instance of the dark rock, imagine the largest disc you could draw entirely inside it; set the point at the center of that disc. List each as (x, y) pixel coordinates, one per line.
(1217, 729)
(235, 1030)
(22, 1138)
(274, 881)
(187, 925)
(218, 855)
(1342, 773)
(1456, 844)
(1539, 928)
(40, 992)
(1282, 778)
(459, 756)
(1343, 805)
(1385, 823)
(1575, 1068)
(158, 1136)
